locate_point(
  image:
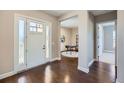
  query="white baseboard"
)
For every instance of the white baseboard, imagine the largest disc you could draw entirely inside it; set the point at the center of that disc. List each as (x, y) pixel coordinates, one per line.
(108, 51)
(117, 81)
(54, 59)
(5, 75)
(86, 70)
(27, 68)
(8, 74)
(91, 62)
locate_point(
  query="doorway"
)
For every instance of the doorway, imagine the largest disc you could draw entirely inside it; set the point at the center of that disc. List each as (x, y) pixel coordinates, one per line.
(32, 45)
(106, 42)
(69, 37)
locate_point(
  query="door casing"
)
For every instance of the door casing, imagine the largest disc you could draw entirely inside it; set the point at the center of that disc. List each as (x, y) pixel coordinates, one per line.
(16, 16)
(97, 57)
(97, 50)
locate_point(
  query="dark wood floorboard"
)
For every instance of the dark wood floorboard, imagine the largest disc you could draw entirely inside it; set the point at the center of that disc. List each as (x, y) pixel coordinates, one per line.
(65, 71)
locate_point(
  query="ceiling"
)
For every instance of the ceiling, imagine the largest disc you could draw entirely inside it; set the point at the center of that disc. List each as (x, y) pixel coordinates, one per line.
(99, 12)
(70, 23)
(73, 21)
(58, 13)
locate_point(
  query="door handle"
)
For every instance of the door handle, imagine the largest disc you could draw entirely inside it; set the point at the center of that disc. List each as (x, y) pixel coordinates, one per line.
(44, 47)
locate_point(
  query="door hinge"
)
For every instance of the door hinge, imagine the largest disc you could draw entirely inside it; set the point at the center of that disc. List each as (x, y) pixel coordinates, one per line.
(115, 72)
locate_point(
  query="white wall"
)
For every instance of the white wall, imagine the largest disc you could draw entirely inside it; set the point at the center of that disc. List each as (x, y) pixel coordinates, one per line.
(83, 41)
(120, 46)
(90, 37)
(108, 38)
(7, 36)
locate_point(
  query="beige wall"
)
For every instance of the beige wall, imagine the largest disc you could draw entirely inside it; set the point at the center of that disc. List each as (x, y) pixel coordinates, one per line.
(6, 42)
(120, 46)
(70, 37)
(7, 36)
(106, 17)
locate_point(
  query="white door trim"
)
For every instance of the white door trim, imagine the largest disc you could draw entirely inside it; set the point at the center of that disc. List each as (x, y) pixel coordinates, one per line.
(97, 50)
(16, 15)
(115, 40)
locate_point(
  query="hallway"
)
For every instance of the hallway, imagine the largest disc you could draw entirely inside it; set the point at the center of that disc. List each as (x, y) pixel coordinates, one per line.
(108, 58)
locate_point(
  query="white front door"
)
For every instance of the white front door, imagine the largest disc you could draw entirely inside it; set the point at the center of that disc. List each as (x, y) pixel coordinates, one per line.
(32, 46)
(35, 43)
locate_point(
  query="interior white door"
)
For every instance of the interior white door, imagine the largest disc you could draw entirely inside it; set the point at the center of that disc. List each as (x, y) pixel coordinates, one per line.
(99, 41)
(35, 43)
(20, 44)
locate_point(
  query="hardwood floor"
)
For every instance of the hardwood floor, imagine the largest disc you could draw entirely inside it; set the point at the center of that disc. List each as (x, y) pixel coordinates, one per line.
(65, 71)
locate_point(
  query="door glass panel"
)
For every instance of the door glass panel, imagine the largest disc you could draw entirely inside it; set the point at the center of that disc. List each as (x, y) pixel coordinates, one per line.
(33, 24)
(33, 29)
(39, 25)
(21, 27)
(39, 30)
